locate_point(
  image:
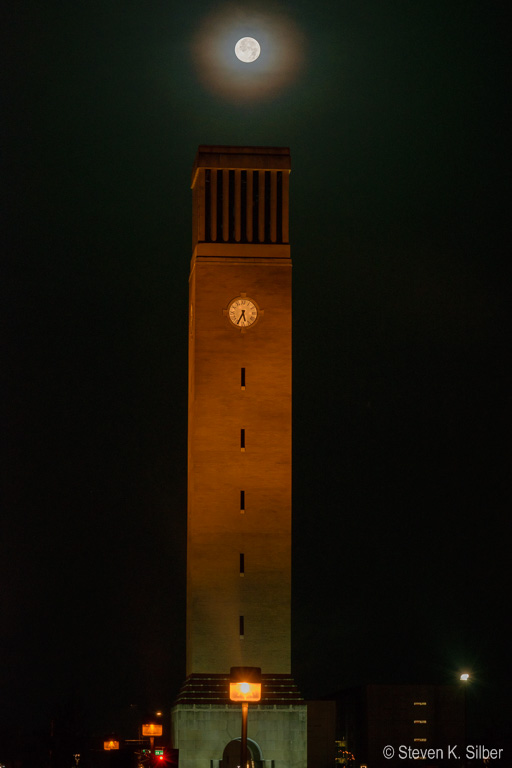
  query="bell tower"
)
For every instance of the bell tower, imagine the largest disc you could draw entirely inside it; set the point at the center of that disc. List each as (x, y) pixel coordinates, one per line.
(239, 461)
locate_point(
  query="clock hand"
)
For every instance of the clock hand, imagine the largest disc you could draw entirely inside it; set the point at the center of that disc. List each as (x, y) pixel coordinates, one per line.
(242, 314)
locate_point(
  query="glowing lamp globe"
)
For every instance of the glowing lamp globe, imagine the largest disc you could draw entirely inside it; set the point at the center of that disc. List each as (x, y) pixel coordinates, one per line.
(245, 691)
(152, 729)
(245, 684)
(111, 744)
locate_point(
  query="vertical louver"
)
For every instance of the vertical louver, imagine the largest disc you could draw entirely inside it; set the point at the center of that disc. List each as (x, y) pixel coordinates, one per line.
(244, 206)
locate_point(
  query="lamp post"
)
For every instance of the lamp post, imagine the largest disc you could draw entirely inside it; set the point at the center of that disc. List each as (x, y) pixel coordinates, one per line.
(244, 686)
(464, 678)
(152, 730)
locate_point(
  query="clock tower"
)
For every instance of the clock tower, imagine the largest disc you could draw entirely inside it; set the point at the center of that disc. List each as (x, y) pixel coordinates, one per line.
(239, 463)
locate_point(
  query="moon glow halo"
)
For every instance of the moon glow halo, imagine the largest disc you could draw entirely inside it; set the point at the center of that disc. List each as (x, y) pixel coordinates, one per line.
(221, 71)
(247, 49)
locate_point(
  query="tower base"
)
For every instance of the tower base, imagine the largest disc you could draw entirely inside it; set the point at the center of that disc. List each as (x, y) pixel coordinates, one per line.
(206, 727)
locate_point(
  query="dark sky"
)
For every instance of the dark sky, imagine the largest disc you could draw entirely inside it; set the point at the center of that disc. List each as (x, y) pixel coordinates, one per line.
(396, 114)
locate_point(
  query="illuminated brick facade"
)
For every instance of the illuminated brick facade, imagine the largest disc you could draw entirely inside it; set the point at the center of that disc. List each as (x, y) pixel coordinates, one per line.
(239, 460)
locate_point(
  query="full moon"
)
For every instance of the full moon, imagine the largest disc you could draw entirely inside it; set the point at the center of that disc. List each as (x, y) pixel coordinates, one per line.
(247, 49)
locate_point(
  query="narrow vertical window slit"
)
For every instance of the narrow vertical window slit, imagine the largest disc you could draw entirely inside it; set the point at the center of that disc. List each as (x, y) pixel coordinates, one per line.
(231, 208)
(213, 205)
(220, 204)
(280, 207)
(226, 192)
(267, 208)
(207, 204)
(255, 205)
(243, 207)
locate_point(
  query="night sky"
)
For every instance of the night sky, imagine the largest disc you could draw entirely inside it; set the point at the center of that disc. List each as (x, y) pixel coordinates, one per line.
(396, 114)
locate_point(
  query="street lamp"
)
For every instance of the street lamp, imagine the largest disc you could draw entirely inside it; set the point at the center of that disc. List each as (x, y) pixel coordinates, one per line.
(152, 730)
(112, 743)
(244, 686)
(464, 678)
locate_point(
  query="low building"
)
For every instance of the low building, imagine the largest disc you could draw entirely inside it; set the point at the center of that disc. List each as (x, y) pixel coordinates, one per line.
(380, 725)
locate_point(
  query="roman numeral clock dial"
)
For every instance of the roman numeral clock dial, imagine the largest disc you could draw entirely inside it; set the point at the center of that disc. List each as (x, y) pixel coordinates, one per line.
(243, 312)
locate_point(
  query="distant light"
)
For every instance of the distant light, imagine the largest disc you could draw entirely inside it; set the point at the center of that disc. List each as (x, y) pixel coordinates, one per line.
(111, 744)
(464, 676)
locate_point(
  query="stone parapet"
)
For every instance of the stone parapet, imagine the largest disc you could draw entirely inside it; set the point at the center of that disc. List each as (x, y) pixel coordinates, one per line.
(213, 689)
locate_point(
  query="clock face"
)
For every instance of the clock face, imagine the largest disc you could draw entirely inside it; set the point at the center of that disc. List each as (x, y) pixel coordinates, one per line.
(242, 312)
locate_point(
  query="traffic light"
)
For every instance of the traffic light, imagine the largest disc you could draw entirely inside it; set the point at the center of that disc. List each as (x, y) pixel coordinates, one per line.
(161, 757)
